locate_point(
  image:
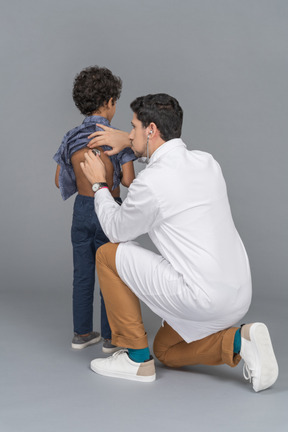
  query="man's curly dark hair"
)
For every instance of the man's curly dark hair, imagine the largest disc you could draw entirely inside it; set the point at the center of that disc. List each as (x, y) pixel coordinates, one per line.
(93, 87)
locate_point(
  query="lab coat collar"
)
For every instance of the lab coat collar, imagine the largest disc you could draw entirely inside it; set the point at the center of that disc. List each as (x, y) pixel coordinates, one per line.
(165, 148)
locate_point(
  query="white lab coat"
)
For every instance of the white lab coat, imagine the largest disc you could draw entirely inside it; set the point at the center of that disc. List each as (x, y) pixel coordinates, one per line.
(200, 283)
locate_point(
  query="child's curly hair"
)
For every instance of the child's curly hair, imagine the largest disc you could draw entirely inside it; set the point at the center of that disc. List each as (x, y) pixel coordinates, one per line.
(93, 87)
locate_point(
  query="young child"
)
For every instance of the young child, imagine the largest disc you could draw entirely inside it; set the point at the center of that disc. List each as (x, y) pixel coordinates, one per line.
(95, 93)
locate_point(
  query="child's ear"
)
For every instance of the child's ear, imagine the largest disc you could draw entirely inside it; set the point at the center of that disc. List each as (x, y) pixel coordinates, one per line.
(110, 103)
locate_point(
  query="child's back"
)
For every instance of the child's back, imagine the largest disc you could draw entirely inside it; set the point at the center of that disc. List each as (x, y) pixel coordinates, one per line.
(83, 185)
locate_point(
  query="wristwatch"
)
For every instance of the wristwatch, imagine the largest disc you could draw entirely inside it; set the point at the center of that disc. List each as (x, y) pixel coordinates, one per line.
(97, 186)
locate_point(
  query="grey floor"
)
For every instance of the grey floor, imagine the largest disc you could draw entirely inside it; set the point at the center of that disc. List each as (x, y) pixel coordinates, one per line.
(46, 386)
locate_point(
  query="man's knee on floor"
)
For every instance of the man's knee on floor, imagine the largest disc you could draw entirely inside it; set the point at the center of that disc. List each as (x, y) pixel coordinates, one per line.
(160, 351)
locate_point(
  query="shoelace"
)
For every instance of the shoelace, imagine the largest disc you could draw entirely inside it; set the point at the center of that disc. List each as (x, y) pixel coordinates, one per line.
(117, 353)
(247, 373)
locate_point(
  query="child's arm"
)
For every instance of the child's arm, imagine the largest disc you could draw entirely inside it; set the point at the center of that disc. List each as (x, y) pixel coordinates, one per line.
(128, 173)
(57, 176)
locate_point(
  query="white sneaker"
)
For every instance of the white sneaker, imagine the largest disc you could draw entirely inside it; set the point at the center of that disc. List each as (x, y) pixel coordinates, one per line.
(119, 365)
(260, 364)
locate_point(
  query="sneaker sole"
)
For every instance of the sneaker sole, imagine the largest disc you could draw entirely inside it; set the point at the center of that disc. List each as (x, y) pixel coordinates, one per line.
(102, 372)
(269, 368)
(86, 344)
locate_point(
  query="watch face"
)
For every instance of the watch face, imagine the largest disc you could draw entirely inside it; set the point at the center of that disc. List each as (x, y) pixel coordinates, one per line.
(95, 187)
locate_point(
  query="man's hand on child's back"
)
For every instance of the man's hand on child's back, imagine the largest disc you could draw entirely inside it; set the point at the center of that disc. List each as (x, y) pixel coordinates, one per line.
(114, 138)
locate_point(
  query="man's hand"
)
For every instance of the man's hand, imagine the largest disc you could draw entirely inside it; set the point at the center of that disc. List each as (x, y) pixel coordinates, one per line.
(116, 139)
(93, 168)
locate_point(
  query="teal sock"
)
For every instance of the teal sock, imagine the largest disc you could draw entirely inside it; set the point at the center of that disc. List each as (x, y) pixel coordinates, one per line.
(237, 342)
(139, 355)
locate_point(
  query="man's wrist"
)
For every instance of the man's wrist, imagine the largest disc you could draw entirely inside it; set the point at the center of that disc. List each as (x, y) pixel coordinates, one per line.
(99, 185)
(97, 180)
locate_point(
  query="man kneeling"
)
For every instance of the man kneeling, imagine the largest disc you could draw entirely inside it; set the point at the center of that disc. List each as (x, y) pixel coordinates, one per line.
(200, 284)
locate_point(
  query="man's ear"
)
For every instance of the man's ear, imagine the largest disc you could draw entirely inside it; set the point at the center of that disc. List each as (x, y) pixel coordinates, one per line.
(152, 129)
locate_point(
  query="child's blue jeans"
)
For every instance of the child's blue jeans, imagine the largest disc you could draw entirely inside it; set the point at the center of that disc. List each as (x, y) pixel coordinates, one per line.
(87, 236)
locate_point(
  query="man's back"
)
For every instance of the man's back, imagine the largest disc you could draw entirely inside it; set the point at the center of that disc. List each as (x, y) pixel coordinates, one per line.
(194, 229)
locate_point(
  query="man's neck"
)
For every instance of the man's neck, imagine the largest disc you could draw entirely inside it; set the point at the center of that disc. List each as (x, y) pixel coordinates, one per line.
(156, 145)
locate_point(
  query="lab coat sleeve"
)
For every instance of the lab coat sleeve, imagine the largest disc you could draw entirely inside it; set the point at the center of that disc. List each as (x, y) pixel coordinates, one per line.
(137, 215)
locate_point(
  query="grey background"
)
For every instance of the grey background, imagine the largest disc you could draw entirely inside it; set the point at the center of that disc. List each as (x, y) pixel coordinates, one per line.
(226, 62)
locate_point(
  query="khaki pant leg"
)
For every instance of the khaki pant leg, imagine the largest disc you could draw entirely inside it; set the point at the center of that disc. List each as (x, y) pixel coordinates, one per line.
(215, 349)
(122, 306)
